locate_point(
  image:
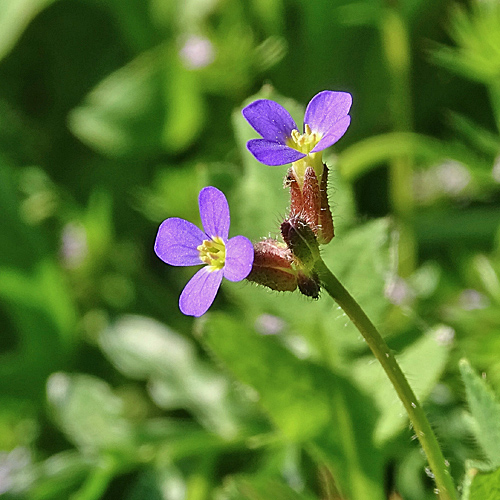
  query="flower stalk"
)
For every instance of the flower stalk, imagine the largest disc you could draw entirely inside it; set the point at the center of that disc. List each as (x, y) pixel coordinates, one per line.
(439, 466)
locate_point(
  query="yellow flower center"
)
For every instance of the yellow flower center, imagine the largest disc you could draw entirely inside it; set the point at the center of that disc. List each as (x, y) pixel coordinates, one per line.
(305, 143)
(213, 253)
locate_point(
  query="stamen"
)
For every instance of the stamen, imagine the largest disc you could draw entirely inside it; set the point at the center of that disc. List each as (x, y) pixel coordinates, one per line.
(304, 142)
(213, 253)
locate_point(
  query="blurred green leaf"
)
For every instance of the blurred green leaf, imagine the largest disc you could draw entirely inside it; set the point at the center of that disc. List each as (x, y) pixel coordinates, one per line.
(485, 410)
(184, 104)
(46, 291)
(15, 15)
(427, 351)
(307, 402)
(173, 191)
(147, 487)
(35, 297)
(144, 349)
(22, 245)
(476, 32)
(261, 488)
(123, 115)
(58, 476)
(479, 136)
(91, 415)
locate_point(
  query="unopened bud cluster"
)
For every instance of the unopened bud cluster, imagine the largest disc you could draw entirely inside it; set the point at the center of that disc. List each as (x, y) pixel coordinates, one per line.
(288, 265)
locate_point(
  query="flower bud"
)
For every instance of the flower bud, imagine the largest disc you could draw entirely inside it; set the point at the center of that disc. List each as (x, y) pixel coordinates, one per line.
(302, 243)
(309, 201)
(301, 240)
(272, 266)
(309, 284)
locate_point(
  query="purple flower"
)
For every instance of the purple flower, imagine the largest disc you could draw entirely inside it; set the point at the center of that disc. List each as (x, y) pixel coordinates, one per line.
(325, 121)
(181, 243)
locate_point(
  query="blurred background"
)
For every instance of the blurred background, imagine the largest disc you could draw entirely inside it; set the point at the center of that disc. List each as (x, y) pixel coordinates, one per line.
(113, 115)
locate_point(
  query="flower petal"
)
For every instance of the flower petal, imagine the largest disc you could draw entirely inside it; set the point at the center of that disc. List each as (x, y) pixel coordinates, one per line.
(326, 109)
(214, 212)
(271, 120)
(176, 242)
(333, 135)
(200, 292)
(271, 153)
(239, 258)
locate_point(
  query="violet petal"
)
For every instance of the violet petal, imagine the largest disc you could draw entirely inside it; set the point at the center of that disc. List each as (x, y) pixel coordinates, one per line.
(333, 135)
(273, 154)
(239, 258)
(326, 109)
(176, 242)
(214, 212)
(200, 292)
(272, 121)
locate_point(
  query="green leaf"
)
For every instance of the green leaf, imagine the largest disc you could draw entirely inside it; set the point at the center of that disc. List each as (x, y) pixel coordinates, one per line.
(307, 402)
(15, 15)
(481, 483)
(426, 351)
(485, 410)
(185, 106)
(261, 488)
(124, 114)
(57, 476)
(145, 349)
(482, 138)
(90, 414)
(45, 291)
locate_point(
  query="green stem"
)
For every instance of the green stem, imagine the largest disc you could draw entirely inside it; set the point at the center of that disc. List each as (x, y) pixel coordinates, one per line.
(380, 349)
(396, 47)
(98, 481)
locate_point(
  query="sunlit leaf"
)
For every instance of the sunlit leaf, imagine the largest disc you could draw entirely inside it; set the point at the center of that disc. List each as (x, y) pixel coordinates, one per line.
(90, 414)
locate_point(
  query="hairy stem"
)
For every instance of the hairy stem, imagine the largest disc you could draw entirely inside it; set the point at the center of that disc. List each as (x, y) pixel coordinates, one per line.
(438, 464)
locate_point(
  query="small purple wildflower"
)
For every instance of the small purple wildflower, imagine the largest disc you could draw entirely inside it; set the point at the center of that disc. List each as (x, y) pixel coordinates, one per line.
(325, 121)
(181, 243)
